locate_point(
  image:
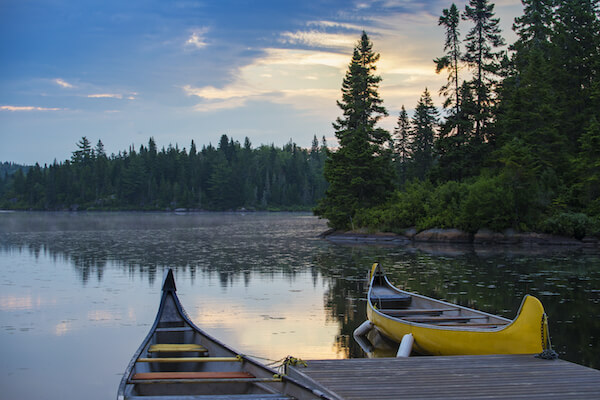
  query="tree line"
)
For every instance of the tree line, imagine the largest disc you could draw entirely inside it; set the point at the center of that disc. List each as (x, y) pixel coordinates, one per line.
(230, 176)
(516, 145)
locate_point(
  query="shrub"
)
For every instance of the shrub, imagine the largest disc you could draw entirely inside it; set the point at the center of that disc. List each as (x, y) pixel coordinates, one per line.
(443, 208)
(571, 224)
(404, 210)
(489, 203)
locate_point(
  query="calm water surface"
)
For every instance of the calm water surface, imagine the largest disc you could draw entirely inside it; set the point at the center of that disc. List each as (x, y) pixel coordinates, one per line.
(78, 292)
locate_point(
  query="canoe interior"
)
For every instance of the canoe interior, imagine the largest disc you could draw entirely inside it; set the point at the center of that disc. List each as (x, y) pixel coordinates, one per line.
(177, 360)
(416, 309)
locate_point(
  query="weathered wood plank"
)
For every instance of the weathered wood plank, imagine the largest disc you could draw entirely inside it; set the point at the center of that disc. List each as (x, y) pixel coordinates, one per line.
(455, 377)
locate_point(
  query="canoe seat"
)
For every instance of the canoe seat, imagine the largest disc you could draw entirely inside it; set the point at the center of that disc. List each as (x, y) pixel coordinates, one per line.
(420, 319)
(176, 348)
(385, 298)
(417, 311)
(475, 325)
(192, 375)
(190, 359)
(175, 329)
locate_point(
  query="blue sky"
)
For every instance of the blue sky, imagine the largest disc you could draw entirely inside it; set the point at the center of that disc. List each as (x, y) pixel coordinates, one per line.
(125, 71)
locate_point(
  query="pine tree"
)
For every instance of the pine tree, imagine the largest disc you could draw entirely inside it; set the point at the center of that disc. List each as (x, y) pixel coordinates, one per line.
(481, 41)
(450, 19)
(359, 172)
(424, 125)
(402, 145)
(451, 145)
(576, 65)
(84, 153)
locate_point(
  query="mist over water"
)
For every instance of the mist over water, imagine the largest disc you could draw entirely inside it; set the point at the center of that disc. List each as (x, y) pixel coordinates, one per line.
(79, 291)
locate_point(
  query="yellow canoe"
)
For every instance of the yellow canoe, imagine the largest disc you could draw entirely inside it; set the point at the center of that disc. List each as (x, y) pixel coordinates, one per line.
(441, 328)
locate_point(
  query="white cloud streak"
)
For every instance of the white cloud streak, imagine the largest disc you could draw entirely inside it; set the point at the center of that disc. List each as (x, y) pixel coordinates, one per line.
(29, 108)
(105, 96)
(63, 83)
(318, 39)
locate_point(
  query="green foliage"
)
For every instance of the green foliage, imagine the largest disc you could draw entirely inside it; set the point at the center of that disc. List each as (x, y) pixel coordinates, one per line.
(576, 225)
(403, 210)
(489, 203)
(444, 208)
(227, 178)
(419, 205)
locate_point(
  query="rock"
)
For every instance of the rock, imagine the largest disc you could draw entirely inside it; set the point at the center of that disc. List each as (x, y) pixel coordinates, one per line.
(410, 232)
(444, 235)
(486, 236)
(544, 239)
(590, 241)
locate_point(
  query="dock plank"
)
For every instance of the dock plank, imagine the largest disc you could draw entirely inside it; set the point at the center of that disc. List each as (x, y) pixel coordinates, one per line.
(452, 377)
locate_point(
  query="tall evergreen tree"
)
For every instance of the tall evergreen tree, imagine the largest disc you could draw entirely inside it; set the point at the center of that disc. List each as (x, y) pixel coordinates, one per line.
(402, 145)
(480, 55)
(84, 152)
(359, 172)
(450, 19)
(424, 125)
(577, 65)
(450, 146)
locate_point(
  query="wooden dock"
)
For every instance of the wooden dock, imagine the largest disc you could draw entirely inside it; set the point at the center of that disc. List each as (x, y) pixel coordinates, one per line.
(451, 377)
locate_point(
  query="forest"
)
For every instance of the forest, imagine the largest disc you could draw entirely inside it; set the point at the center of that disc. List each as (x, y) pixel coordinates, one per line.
(229, 177)
(516, 145)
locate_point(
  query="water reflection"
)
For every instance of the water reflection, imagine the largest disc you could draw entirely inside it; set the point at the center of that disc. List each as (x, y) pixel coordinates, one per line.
(566, 283)
(266, 282)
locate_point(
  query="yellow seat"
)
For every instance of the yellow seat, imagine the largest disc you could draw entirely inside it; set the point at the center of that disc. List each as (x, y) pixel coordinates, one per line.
(173, 347)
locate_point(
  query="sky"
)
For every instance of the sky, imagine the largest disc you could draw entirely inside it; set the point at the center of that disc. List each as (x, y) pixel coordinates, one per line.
(182, 70)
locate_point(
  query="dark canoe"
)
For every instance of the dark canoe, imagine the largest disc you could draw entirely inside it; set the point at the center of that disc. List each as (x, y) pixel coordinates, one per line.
(179, 361)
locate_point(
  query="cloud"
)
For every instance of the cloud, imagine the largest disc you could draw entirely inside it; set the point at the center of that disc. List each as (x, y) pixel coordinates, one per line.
(197, 38)
(120, 96)
(314, 38)
(220, 105)
(306, 69)
(105, 96)
(29, 108)
(307, 80)
(63, 83)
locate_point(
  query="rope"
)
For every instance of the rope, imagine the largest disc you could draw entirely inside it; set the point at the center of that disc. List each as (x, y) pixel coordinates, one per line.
(547, 352)
(293, 361)
(281, 364)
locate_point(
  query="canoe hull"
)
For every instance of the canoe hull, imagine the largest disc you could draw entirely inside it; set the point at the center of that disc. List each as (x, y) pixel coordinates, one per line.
(178, 360)
(521, 336)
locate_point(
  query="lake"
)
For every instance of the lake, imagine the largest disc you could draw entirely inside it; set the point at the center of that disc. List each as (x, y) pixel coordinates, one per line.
(79, 291)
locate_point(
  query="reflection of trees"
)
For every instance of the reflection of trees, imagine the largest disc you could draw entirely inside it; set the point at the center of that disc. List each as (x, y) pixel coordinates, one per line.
(345, 269)
(236, 249)
(229, 246)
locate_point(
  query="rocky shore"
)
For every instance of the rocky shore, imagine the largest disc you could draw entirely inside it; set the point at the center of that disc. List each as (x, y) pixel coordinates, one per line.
(456, 236)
